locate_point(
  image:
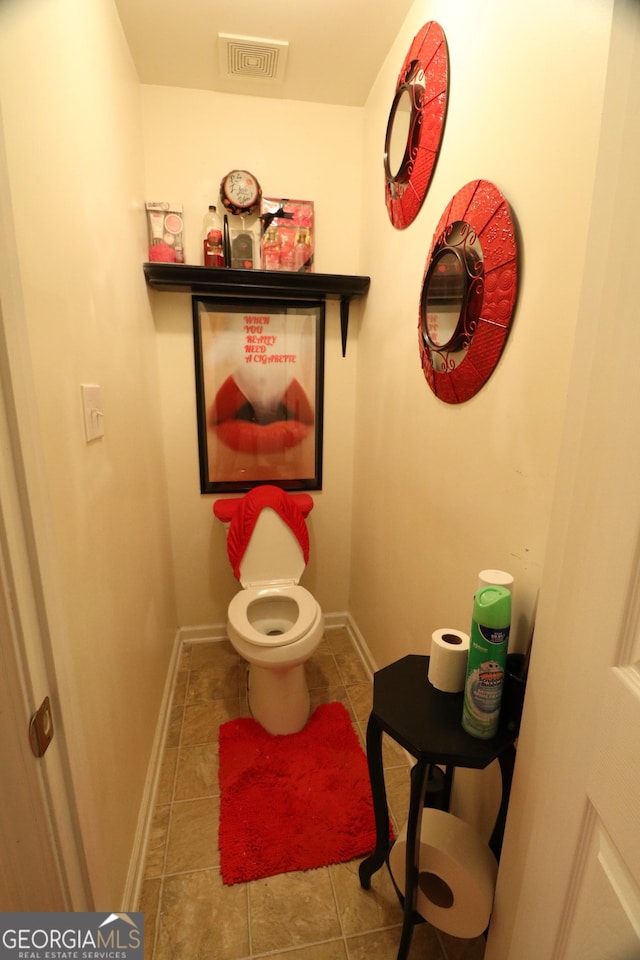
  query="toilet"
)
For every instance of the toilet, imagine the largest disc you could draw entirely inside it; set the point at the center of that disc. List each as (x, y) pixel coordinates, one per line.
(273, 622)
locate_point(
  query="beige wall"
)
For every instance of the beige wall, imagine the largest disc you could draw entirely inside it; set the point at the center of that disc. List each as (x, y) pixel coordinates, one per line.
(71, 116)
(441, 491)
(309, 151)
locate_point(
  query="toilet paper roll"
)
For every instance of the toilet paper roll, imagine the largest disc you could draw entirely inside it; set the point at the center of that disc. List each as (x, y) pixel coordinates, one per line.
(456, 874)
(448, 660)
(495, 578)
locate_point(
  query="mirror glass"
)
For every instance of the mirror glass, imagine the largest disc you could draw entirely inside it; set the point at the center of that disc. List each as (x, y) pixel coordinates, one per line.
(444, 294)
(398, 133)
(452, 296)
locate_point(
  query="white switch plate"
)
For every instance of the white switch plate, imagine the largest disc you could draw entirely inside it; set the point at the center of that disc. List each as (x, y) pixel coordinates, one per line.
(92, 410)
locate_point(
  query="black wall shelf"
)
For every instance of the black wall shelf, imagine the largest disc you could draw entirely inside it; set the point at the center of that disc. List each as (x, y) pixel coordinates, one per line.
(226, 282)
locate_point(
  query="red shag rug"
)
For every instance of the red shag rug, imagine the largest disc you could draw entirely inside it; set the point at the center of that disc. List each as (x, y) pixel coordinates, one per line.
(293, 802)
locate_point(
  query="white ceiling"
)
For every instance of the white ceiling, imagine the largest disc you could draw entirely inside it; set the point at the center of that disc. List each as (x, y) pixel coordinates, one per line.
(335, 47)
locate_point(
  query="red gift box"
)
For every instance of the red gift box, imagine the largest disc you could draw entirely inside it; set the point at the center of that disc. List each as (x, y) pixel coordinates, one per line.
(287, 241)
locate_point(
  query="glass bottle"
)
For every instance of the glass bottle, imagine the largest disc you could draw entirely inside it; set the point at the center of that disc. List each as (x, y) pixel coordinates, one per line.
(271, 249)
(212, 252)
(302, 258)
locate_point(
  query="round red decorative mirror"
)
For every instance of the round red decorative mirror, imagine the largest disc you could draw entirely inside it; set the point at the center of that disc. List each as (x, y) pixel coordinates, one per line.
(468, 292)
(415, 125)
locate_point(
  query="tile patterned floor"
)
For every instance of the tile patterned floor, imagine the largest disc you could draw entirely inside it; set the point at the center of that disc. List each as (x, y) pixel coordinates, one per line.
(312, 915)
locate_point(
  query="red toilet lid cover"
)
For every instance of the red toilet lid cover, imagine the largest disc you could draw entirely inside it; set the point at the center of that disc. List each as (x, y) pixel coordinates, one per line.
(242, 513)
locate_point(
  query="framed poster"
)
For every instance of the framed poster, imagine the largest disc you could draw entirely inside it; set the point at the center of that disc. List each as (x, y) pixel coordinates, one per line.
(259, 393)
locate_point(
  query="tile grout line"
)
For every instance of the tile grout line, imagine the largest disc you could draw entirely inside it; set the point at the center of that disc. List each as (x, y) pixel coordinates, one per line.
(334, 892)
(164, 874)
(356, 721)
(249, 934)
(338, 913)
(279, 951)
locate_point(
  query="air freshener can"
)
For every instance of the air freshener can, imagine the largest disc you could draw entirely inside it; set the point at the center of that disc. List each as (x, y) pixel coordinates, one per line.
(488, 644)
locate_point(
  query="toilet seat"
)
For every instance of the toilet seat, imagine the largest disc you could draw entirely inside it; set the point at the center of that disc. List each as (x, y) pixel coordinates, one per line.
(308, 613)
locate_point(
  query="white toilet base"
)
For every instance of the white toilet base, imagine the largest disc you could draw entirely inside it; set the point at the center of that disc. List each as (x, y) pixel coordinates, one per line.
(279, 698)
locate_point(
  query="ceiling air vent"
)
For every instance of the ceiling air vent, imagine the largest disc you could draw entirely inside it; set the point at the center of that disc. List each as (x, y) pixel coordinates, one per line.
(251, 57)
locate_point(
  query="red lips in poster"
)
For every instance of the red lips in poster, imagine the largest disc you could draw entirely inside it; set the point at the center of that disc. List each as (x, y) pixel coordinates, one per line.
(245, 428)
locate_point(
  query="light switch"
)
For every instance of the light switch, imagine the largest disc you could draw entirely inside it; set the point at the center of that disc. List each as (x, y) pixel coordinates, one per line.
(92, 409)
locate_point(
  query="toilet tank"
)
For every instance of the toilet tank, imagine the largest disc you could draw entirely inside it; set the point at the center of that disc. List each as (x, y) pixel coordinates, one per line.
(273, 554)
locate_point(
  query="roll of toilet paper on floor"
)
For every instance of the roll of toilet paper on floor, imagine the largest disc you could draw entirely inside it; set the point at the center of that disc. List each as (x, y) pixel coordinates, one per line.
(495, 578)
(456, 874)
(448, 660)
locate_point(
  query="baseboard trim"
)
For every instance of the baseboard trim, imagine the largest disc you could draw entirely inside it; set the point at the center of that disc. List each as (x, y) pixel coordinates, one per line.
(218, 631)
(360, 644)
(135, 875)
(204, 632)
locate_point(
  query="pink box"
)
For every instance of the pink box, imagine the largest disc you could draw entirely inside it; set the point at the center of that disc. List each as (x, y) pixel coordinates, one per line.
(287, 241)
(165, 228)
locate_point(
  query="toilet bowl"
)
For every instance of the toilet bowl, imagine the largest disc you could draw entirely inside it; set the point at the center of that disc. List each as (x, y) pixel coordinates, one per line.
(273, 622)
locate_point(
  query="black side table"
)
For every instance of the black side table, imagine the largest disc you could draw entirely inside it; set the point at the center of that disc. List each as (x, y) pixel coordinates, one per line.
(427, 723)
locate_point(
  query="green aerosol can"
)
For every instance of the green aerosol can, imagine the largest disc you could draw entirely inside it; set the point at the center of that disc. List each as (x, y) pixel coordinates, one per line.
(488, 644)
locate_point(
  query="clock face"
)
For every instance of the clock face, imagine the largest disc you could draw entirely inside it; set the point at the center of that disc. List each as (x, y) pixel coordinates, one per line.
(240, 192)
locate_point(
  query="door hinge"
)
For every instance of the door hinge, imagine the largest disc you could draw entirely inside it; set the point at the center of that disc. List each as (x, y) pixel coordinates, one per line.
(41, 728)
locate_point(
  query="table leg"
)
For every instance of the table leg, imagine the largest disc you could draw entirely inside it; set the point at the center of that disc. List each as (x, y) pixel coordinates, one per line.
(507, 761)
(380, 808)
(419, 777)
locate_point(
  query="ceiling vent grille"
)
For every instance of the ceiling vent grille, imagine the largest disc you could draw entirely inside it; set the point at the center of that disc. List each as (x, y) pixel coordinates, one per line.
(253, 58)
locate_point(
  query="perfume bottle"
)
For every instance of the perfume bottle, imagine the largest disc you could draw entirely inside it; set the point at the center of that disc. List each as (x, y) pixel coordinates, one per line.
(302, 256)
(271, 249)
(287, 244)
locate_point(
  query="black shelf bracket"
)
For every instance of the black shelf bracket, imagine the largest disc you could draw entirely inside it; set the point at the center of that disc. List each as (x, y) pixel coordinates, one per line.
(227, 282)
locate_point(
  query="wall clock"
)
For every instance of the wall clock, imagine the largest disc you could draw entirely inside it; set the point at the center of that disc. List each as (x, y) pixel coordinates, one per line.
(469, 292)
(415, 125)
(240, 193)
